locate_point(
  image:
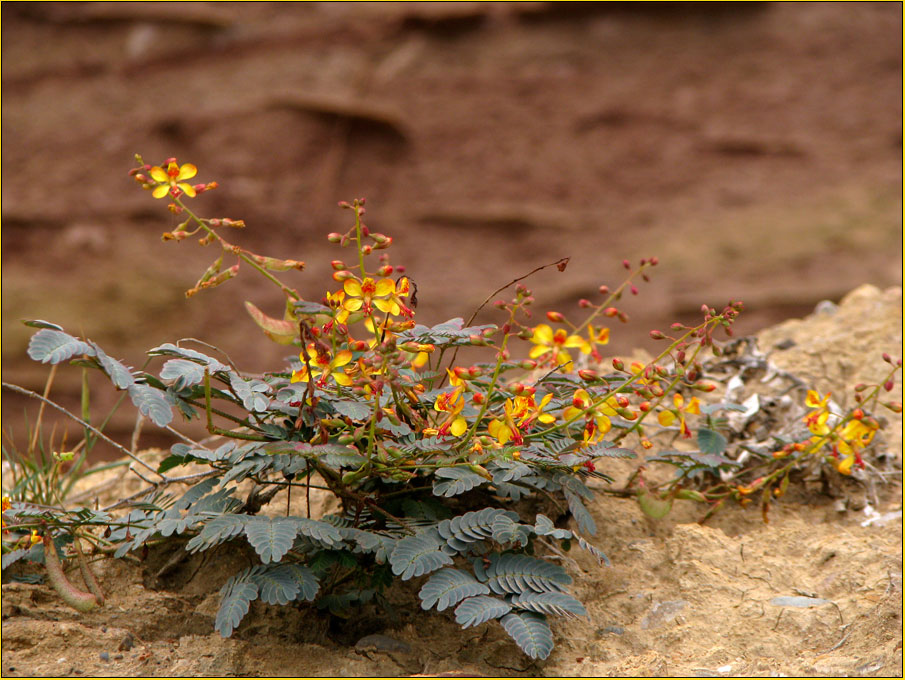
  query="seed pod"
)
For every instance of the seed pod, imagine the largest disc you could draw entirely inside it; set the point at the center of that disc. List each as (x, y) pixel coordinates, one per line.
(75, 598)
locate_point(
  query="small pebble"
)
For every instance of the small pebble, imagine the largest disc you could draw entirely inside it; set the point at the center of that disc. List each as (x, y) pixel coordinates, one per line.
(105, 656)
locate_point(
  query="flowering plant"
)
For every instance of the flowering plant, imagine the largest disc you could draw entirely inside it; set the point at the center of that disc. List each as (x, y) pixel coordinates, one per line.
(428, 457)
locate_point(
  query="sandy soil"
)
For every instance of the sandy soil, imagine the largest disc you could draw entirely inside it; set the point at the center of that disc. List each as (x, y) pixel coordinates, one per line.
(680, 599)
(755, 149)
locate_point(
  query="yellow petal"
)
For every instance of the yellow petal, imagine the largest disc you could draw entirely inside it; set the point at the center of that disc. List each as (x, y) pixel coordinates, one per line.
(458, 427)
(543, 335)
(694, 406)
(666, 418)
(342, 378)
(352, 287)
(188, 189)
(678, 400)
(387, 306)
(342, 358)
(384, 287)
(577, 341)
(160, 190)
(300, 376)
(538, 350)
(187, 171)
(158, 174)
(352, 304)
(604, 425)
(845, 465)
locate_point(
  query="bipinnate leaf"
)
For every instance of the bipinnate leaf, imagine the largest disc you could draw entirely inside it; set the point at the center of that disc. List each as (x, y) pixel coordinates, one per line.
(417, 555)
(169, 349)
(278, 330)
(505, 530)
(40, 323)
(51, 346)
(285, 583)
(560, 604)
(586, 523)
(543, 526)
(513, 573)
(476, 610)
(238, 592)
(531, 632)
(448, 587)
(218, 530)
(119, 374)
(462, 531)
(594, 550)
(456, 480)
(184, 371)
(151, 403)
(271, 537)
(321, 532)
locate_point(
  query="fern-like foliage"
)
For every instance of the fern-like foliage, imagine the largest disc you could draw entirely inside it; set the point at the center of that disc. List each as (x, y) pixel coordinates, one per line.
(448, 587)
(514, 573)
(418, 555)
(476, 610)
(531, 632)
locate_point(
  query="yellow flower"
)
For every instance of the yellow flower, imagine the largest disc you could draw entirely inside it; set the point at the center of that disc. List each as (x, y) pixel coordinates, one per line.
(854, 437)
(528, 411)
(597, 336)
(364, 293)
(451, 403)
(814, 400)
(667, 418)
(327, 366)
(171, 179)
(35, 537)
(6, 503)
(397, 306)
(546, 340)
(505, 430)
(597, 417)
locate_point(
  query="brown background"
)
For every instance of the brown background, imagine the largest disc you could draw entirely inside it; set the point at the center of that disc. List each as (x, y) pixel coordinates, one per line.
(756, 149)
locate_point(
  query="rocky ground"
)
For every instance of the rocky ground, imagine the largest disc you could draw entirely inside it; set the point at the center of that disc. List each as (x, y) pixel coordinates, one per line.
(816, 592)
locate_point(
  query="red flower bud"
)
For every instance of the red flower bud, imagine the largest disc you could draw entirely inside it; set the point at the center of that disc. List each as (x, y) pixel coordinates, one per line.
(528, 364)
(644, 406)
(656, 335)
(342, 275)
(894, 406)
(618, 364)
(477, 398)
(518, 388)
(887, 358)
(622, 400)
(338, 265)
(888, 385)
(555, 317)
(654, 261)
(634, 289)
(333, 237)
(588, 374)
(385, 270)
(584, 304)
(626, 264)
(610, 312)
(604, 290)
(704, 387)
(857, 414)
